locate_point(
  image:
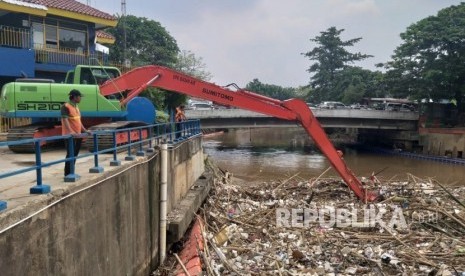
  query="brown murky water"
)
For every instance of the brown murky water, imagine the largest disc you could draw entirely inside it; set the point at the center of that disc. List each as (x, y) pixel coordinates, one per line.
(278, 153)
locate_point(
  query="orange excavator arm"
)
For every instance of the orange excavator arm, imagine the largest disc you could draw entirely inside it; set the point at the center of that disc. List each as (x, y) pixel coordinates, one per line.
(135, 81)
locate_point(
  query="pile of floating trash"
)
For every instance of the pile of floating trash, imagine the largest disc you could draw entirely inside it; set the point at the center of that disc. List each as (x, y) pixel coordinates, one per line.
(318, 227)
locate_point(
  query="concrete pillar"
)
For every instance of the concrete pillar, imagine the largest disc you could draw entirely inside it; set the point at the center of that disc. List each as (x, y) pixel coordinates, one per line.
(408, 145)
(442, 149)
(434, 148)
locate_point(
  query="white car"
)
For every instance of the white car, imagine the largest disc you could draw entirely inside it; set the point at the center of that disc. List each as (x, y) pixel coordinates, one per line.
(398, 107)
(332, 105)
(200, 106)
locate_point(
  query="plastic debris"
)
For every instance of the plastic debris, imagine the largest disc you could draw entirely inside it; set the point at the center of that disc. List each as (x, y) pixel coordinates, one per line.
(318, 227)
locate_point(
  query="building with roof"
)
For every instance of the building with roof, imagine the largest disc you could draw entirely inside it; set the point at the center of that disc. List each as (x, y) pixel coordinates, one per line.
(46, 38)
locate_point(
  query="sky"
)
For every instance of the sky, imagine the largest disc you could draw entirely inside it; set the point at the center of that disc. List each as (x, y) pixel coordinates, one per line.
(242, 40)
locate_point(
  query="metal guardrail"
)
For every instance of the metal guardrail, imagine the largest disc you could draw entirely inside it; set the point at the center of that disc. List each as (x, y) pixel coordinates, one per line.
(147, 138)
(68, 57)
(15, 37)
(442, 159)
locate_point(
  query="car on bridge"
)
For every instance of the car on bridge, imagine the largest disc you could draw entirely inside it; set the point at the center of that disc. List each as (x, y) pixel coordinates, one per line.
(312, 105)
(200, 105)
(398, 107)
(358, 106)
(332, 105)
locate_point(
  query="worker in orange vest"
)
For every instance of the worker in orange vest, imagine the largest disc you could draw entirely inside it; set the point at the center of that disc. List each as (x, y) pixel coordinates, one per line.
(179, 117)
(71, 125)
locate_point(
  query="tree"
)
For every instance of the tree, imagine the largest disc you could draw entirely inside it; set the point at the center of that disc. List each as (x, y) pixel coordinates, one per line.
(331, 59)
(304, 92)
(430, 63)
(356, 83)
(142, 41)
(191, 65)
(271, 90)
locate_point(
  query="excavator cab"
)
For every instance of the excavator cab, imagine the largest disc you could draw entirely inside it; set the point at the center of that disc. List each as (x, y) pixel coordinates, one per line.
(94, 75)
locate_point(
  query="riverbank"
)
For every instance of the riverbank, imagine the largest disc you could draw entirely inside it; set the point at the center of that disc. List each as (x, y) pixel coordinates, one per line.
(400, 152)
(316, 226)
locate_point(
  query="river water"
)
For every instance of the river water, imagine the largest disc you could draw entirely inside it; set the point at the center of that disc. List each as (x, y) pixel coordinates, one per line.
(258, 155)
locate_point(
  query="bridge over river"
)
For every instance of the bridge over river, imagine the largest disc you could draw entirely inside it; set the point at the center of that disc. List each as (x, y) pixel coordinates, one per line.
(328, 118)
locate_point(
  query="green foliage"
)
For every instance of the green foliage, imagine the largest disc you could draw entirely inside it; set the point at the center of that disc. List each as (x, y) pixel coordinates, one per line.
(191, 65)
(271, 90)
(353, 84)
(353, 93)
(430, 63)
(329, 80)
(156, 96)
(172, 100)
(147, 42)
(162, 117)
(357, 83)
(164, 99)
(304, 92)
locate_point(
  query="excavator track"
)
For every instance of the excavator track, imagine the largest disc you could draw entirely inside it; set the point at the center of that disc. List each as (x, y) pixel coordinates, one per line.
(30, 132)
(105, 140)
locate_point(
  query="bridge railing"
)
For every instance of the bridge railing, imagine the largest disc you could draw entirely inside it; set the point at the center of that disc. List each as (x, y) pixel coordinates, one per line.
(140, 140)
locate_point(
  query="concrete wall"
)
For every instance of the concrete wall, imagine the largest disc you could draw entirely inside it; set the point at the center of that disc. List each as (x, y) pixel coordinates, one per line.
(109, 227)
(186, 164)
(440, 144)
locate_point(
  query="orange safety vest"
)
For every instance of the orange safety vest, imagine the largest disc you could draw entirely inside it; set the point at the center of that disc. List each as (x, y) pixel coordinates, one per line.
(74, 119)
(179, 115)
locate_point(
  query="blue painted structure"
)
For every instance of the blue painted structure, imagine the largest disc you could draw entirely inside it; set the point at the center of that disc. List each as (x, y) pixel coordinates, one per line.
(23, 52)
(16, 62)
(167, 132)
(140, 109)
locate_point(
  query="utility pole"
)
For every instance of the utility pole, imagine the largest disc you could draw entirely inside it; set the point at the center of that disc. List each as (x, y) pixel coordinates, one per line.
(123, 23)
(123, 7)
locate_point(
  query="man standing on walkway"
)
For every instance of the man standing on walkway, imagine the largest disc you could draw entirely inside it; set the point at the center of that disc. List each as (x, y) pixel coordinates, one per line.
(179, 117)
(71, 125)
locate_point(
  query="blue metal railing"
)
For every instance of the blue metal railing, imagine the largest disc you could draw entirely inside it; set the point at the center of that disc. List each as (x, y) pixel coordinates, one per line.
(443, 159)
(145, 138)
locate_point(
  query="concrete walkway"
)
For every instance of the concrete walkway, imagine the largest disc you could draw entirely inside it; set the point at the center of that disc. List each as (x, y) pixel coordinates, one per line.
(15, 190)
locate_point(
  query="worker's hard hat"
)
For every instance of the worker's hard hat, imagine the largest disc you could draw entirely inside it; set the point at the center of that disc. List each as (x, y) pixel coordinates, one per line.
(75, 93)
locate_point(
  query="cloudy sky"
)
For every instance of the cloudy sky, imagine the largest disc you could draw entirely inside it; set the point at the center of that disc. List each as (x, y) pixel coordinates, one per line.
(245, 39)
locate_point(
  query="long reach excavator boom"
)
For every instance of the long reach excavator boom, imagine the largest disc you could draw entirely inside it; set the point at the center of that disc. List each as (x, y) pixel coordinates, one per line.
(135, 81)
